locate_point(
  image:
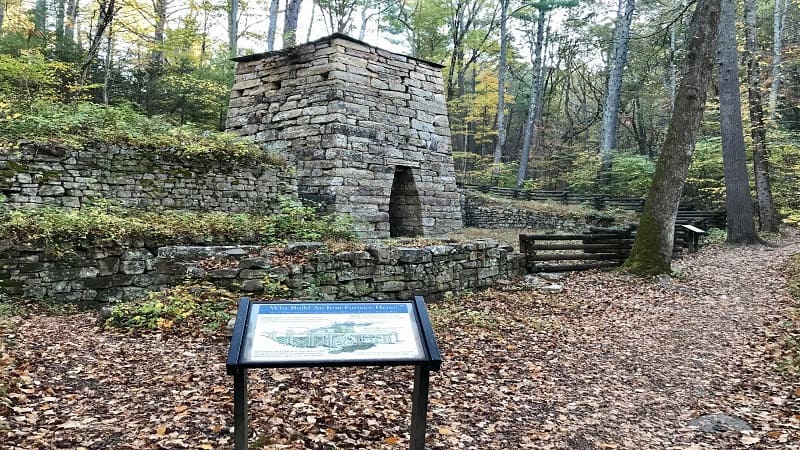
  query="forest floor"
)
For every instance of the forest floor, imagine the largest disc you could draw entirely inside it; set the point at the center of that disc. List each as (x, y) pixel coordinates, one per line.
(610, 362)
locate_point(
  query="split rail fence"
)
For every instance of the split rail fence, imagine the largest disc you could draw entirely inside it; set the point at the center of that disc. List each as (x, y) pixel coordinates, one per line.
(597, 248)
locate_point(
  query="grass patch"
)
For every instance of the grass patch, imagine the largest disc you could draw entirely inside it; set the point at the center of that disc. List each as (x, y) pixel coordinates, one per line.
(105, 224)
(185, 308)
(74, 125)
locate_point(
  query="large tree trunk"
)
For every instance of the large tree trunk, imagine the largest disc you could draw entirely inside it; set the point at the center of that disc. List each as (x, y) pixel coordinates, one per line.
(501, 88)
(290, 22)
(616, 67)
(652, 249)
(2, 13)
(533, 106)
(273, 25)
(778, 20)
(768, 218)
(741, 225)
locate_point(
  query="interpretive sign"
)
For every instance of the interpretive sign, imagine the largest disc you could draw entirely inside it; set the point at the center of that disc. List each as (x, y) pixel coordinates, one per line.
(332, 332)
(316, 334)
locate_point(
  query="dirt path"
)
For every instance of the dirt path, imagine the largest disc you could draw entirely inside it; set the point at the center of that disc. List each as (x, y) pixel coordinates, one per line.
(611, 362)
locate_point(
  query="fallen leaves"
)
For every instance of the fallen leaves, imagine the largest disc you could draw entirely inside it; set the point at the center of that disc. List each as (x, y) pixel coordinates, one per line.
(613, 362)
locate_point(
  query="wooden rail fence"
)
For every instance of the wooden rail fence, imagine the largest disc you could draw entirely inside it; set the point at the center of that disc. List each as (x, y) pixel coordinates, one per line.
(597, 248)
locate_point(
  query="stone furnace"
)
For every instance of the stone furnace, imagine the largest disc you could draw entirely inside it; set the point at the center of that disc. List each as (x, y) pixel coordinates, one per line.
(366, 129)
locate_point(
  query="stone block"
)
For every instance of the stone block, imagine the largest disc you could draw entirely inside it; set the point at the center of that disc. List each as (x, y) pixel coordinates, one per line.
(228, 273)
(51, 190)
(136, 254)
(108, 266)
(252, 285)
(132, 267)
(413, 255)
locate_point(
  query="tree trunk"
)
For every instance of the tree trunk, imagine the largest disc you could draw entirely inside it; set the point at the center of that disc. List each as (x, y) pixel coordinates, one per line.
(768, 218)
(533, 105)
(652, 250)
(673, 68)
(108, 62)
(40, 16)
(105, 16)
(204, 40)
(273, 25)
(639, 129)
(778, 20)
(501, 88)
(157, 55)
(362, 30)
(2, 13)
(290, 22)
(60, 19)
(741, 226)
(71, 19)
(616, 67)
(233, 29)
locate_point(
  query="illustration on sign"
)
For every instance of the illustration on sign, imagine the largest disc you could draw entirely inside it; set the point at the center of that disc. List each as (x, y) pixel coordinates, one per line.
(339, 337)
(331, 332)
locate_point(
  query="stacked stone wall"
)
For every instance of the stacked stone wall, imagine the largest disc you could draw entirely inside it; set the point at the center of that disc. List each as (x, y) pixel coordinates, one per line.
(95, 276)
(37, 176)
(84, 275)
(478, 213)
(351, 117)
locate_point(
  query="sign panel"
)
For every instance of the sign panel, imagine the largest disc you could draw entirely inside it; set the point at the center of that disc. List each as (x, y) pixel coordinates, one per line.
(317, 332)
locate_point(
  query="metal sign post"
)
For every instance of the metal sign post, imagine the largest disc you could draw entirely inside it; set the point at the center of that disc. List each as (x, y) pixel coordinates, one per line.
(333, 334)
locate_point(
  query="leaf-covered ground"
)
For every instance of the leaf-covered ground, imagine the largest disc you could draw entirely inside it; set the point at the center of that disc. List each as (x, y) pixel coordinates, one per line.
(611, 362)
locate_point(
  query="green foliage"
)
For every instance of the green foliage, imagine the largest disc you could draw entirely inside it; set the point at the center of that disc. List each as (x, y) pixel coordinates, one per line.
(191, 98)
(581, 179)
(61, 230)
(77, 124)
(785, 159)
(30, 77)
(715, 236)
(506, 175)
(188, 307)
(301, 223)
(705, 184)
(630, 175)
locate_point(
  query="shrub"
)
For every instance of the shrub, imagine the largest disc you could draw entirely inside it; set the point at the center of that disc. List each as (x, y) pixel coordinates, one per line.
(188, 307)
(76, 124)
(105, 224)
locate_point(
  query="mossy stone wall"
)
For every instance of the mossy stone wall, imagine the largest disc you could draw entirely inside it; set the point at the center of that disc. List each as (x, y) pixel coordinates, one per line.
(98, 275)
(38, 175)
